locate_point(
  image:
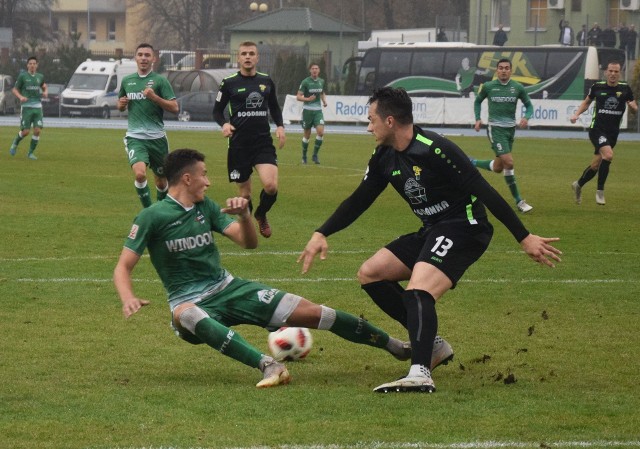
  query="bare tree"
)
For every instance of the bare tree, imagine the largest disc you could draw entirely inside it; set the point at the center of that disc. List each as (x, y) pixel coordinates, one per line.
(18, 15)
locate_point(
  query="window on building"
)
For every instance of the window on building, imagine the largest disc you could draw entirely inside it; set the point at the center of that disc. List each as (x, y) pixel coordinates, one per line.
(576, 5)
(92, 29)
(537, 18)
(500, 13)
(73, 26)
(111, 29)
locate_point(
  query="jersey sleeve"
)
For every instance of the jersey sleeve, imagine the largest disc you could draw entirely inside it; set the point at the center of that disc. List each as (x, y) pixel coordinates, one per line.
(274, 107)
(477, 103)
(166, 91)
(222, 99)
(526, 101)
(219, 220)
(139, 234)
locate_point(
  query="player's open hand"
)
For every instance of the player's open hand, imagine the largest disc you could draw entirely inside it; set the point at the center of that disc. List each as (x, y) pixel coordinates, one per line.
(539, 249)
(132, 305)
(317, 244)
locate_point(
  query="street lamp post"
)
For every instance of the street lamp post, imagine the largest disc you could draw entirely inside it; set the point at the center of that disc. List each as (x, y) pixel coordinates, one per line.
(262, 7)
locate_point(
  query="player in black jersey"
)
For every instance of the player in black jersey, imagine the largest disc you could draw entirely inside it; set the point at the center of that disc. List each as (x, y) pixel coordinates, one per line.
(251, 95)
(448, 194)
(612, 97)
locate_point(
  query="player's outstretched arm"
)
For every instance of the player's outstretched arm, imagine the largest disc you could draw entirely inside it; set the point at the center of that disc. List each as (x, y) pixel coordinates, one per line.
(539, 249)
(122, 281)
(317, 244)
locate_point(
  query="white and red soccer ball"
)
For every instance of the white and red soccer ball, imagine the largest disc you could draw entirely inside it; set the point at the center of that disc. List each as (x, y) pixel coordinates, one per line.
(290, 343)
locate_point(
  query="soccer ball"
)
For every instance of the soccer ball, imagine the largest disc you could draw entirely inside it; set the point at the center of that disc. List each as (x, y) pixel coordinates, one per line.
(290, 343)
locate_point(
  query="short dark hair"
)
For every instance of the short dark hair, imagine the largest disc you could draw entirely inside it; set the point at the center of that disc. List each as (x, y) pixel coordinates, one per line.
(394, 102)
(179, 161)
(504, 60)
(32, 57)
(614, 61)
(314, 63)
(144, 45)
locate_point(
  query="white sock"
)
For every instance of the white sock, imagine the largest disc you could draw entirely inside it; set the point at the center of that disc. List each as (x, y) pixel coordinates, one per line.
(419, 371)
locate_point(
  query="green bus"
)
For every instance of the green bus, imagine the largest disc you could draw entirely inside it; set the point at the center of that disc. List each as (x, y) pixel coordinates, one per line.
(457, 69)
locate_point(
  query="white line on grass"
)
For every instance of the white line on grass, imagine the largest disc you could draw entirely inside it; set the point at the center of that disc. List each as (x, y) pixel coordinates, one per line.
(421, 445)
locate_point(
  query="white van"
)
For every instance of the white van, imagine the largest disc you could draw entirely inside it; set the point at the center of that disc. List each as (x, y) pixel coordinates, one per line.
(93, 88)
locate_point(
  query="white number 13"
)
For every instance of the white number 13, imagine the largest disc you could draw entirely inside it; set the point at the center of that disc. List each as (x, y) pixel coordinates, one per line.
(442, 246)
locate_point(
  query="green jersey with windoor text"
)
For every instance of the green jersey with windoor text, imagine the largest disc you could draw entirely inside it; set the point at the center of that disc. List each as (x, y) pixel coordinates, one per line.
(503, 102)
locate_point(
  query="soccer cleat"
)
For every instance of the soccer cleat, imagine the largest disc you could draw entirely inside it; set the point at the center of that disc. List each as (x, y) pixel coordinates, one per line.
(263, 226)
(577, 191)
(418, 384)
(12, 150)
(600, 197)
(472, 160)
(32, 157)
(523, 206)
(314, 158)
(442, 352)
(304, 160)
(274, 374)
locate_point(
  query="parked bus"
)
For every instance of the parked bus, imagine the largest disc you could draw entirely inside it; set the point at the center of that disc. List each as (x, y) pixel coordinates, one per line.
(457, 69)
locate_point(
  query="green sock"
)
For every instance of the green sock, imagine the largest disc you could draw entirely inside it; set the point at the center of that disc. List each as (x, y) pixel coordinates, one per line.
(358, 330)
(484, 164)
(228, 342)
(162, 194)
(17, 140)
(511, 183)
(34, 144)
(144, 194)
(316, 145)
(305, 147)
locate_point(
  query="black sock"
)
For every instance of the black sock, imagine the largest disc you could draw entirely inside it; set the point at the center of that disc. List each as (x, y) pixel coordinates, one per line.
(603, 172)
(266, 202)
(422, 321)
(388, 296)
(587, 175)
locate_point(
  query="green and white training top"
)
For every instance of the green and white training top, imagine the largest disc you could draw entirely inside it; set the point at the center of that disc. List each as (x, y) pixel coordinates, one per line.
(503, 102)
(145, 116)
(309, 87)
(30, 86)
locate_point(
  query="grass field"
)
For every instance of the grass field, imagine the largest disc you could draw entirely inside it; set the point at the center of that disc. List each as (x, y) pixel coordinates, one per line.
(75, 374)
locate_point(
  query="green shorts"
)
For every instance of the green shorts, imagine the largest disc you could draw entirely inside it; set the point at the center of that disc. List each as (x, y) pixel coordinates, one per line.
(312, 119)
(501, 139)
(150, 151)
(29, 117)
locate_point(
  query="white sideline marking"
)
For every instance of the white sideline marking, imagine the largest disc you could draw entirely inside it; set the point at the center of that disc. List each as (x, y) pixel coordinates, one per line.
(301, 279)
(468, 445)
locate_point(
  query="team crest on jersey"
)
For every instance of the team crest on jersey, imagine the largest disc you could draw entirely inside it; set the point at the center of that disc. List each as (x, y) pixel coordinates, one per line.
(416, 171)
(199, 217)
(414, 191)
(235, 174)
(254, 100)
(618, 94)
(263, 87)
(134, 232)
(611, 103)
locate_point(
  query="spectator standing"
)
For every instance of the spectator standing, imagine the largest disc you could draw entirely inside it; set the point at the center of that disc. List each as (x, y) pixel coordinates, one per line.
(594, 36)
(566, 33)
(441, 36)
(500, 38)
(581, 37)
(608, 37)
(632, 38)
(623, 33)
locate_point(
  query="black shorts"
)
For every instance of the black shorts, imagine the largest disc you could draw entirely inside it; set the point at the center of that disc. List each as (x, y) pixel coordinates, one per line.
(600, 138)
(452, 247)
(240, 161)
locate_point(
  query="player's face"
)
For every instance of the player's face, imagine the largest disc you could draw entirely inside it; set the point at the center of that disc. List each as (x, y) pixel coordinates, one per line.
(613, 74)
(248, 58)
(199, 181)
(32, 65)
(144, 59)
(314, 71)
(379, 126)
(504, 71)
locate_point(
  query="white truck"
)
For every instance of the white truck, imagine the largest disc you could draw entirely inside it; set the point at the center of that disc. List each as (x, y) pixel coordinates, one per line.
(93, 88)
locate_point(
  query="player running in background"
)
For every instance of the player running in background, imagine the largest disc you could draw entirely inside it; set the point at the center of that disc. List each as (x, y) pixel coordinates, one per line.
(30, 88)
(612, 97)
(204, 298)
(147, 95)
(448, 195)
(251, 95)
(311, 93)
(502, 95)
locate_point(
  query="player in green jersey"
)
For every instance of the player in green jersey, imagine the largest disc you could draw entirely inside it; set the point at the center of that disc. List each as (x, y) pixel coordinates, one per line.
(205, 299)
(311, 93)
(30, 88)
(503, 94)
(147, 95)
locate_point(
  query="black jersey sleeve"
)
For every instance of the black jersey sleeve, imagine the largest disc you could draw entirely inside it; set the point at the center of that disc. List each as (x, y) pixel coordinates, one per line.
(351, 208)
(274, 107)
(221, 102)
